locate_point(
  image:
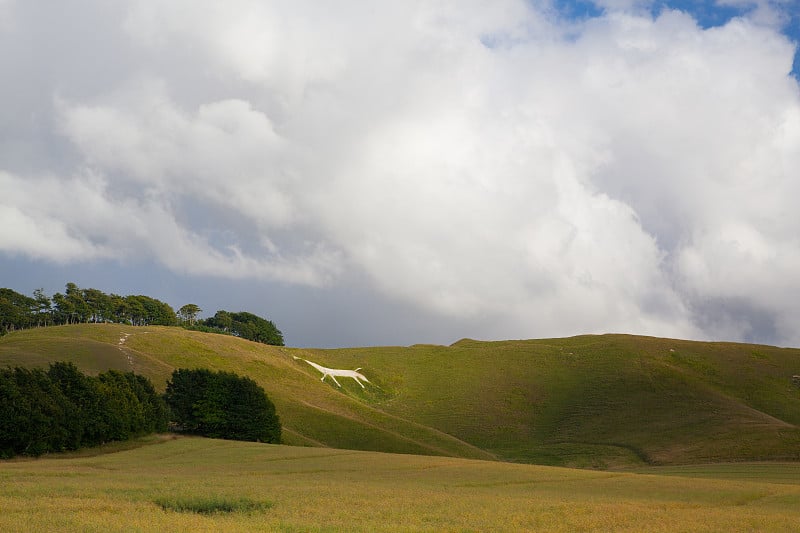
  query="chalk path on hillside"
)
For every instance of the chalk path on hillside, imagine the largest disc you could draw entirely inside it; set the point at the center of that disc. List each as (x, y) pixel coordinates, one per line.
(121, 345)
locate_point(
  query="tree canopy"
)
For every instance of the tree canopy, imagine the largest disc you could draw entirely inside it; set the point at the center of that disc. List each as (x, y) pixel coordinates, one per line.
(77, 305)
(221, 405)
(247, 326)
(188, 313)
(62, 409)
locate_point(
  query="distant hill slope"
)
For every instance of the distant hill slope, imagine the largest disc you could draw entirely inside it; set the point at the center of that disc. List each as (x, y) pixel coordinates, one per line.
(603, 401)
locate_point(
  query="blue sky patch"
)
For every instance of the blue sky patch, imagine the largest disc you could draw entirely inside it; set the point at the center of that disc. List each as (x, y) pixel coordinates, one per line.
(707, 13)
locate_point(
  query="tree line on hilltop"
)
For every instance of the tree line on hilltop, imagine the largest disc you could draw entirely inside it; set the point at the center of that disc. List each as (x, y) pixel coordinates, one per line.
(76, 305)
(242, 324)
(60, 409)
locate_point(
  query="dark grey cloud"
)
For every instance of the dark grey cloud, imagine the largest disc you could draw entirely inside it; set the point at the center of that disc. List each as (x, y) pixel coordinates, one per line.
(738, 318)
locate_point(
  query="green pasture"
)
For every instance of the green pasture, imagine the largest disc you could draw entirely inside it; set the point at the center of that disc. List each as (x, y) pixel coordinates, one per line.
(594, 401)
(195, 484)
(312, 413)
(607, 401)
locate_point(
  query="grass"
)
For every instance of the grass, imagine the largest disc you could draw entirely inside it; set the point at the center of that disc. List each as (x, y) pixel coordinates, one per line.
(312, 412)
(599, 401)
(607, 402)
(788, 473)
(338, 490)
(662, 430)
(209, 505)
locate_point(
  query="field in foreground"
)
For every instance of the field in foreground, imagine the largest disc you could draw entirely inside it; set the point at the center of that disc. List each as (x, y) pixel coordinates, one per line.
(313, 489)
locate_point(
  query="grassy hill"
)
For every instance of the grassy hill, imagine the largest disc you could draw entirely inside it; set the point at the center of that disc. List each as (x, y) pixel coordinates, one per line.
(598, 401)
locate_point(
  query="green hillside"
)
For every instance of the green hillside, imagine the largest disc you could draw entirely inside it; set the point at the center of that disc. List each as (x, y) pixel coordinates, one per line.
(596, 401)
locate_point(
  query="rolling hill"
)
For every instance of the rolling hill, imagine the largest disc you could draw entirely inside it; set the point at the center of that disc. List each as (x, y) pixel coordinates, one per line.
(606, 401)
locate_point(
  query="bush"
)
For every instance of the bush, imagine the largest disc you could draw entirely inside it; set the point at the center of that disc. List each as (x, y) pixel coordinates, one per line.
(211, 505)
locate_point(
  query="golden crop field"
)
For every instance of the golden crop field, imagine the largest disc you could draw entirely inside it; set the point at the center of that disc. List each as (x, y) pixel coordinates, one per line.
(316, 489)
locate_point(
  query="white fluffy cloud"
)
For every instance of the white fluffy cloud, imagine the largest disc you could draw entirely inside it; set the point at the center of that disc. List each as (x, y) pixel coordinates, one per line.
(766, 12)
(484, 161)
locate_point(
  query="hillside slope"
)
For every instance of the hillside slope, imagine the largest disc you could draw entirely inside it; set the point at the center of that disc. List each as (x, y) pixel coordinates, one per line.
(312, 413)
(602, 401)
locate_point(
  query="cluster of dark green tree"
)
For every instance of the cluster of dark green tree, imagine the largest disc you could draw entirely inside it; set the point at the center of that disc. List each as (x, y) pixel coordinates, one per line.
(77, 305)
(242, 324)
(221, 405)
(62, 409)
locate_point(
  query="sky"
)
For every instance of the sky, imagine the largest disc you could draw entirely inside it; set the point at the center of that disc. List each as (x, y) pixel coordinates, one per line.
(390, 173)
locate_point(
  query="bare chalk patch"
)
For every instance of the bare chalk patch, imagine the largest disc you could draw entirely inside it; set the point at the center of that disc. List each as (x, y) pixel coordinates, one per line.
(121, 344)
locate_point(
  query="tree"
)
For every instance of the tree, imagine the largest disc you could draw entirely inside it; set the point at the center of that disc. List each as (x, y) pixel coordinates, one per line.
(43, 307)
(76, 388)
(144, 311)
(79, 306)
(136, 312)
(71, 308)
(63, 309)
(36, 416)
(250, 415)
(188, 313)
(247, 326)
(63, 409)
(154, 407)
(120, 308)
(157, 313)
(124, 411)
(184, 393)
(223, 320)
(221, 405)
(16, 310)
(99, 305)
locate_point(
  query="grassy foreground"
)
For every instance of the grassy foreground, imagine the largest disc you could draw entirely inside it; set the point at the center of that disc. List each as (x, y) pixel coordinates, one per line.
(281, 488)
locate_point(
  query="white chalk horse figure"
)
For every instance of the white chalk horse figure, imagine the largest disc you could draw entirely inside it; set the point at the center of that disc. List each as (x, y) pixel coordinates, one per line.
(333, 372)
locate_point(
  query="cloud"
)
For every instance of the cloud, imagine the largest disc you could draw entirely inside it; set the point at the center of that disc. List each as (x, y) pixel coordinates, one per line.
(78, 220)
(765, 12)
(158, 146)
(487, 162)
(623, 5)
(30, 228)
